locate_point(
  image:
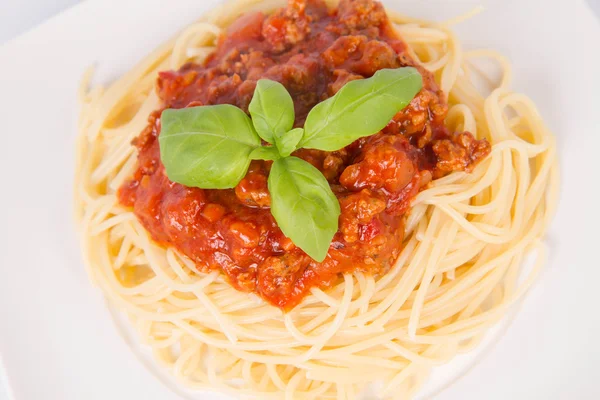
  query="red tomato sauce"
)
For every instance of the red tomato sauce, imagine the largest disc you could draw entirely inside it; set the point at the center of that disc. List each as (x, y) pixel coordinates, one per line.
(313, 52)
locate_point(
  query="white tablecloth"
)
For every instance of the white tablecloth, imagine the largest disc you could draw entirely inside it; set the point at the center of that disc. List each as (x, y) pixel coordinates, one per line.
(18, 16)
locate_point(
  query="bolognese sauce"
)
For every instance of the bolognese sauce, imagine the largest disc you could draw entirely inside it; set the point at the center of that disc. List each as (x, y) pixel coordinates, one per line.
(313, 52)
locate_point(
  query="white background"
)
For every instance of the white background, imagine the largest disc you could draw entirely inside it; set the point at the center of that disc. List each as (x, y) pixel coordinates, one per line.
(18, 16)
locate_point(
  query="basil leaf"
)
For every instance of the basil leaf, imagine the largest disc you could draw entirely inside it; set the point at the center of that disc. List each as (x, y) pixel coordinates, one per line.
(265, 153)
(303, 205)
(361, 108)
(207, 146)
(272, 109)
(286, 142)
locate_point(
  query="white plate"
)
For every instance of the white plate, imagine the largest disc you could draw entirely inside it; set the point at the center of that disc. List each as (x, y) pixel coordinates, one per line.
(57, 340)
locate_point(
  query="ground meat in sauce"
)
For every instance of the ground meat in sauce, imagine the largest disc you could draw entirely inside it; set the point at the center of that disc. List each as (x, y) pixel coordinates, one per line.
(313, 52)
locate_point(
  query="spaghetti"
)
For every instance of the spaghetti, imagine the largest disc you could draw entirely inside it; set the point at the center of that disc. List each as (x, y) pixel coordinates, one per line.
(457, 274)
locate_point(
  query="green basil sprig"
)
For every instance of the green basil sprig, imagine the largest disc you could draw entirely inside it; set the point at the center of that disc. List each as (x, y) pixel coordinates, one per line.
(360, 108)
(272, 110)
(303, 205)
(207, 147)
(211, 147)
